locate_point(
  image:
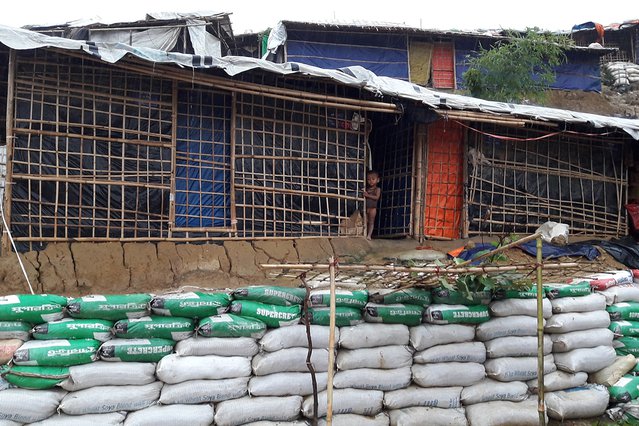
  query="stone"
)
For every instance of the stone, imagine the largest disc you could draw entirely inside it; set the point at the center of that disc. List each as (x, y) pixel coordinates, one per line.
(57, 270)
(100, 268)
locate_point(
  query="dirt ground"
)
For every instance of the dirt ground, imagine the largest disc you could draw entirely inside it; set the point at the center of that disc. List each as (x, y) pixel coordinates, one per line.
(609, 102)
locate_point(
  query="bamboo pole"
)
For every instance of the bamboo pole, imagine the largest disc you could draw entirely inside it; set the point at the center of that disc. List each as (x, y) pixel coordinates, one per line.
(500, 249)
(10, 140)
(174, 125)
(232, 157)
(540, 336)
(309, 353)
(331, 346)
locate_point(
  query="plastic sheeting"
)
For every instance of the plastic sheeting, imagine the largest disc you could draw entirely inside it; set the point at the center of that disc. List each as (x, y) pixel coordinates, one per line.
(551, 251)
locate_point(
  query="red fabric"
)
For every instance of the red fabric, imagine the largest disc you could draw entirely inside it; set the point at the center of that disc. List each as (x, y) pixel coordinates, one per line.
(443, 66)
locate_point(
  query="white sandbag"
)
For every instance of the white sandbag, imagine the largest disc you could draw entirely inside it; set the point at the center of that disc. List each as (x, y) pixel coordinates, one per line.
(346, 401)
(559, 380)
(454, 352)
(369, 335)
(577, 403)
(587, 360)
(10, 423)
(427, 335)
(589, 303)
(109, 399)
(516, 346)
(384, 357)
(175, 369)
(493, 390)
(222, 346)
(516, 325)
(108, 419)
(245, 410)
(103, 373)
(565, 342)
(355, 419)
(618, 294)
(29, 406)
(415, 396)
(170, 415)
(295, 336)
(202, 391)
(608, 376)
(508, 369)
(448, 374)
(276, 423)
(283, 384)
(510, 307)
(504, 413)
(575, 321)
(431, 416)
(289, 360)
(373, 379)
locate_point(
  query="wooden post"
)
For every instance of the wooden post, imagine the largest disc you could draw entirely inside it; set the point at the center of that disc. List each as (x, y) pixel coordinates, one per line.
(331, 346)
(540, 337)
(10, 138)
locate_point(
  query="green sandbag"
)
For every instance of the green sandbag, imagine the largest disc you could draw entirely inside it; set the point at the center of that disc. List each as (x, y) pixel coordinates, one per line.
(625, 328)
(190, 305)
(344, 298)
(456, 314)
(445, 296)
(174, 328)
(344, 316)
(57, 353)
(14, 330)
(557, 290)
(272, 315)
(624, 311)
(136, 350)
(27, 377)
(229, 325)
(273, 295)
(32, 308)
(625, 390)
(626, 346)
(409, 296)
(110, 307)
(69, 328)
(410, 315)
(502, 293)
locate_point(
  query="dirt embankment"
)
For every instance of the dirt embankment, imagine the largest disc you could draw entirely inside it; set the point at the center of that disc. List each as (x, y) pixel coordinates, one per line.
(610, 102)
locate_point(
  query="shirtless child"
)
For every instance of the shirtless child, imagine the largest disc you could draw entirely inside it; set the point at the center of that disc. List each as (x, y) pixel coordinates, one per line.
(371, 194)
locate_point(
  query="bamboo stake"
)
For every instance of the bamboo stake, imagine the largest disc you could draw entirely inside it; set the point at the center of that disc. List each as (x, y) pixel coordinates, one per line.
(10, 140)
(540, 336)
(500, 249)
(309, 353)
(331, 346)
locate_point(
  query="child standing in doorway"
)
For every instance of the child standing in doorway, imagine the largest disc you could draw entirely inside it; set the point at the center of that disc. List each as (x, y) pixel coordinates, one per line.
(371, 195)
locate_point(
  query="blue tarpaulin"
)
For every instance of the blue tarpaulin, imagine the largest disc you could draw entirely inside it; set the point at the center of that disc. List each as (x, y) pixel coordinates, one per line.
(551, 251)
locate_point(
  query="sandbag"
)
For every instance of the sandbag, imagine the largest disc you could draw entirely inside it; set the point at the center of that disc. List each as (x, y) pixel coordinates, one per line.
(32, 308)
(608, 376)
(577, 403)
(295, 336)
(14, 330)
(508, 369)
(109, 373)
(457, 314)
(108, 419)
(431, 416)
(626, 345)
(516, 346)
(454, 352)
(173, 328)
(177, 369)
(513, 293)
(29, 406)
(562, 290)
(230, 325)
(272, 315)
(410, 296)
(8, 348)
(57, 353)
(371, 335)
(69, 328)
(344, 316)
(409, 315)
(170, 415)
(203, 391)
(603, 280)
(624, 311)
(223, 346)
(345, 298)
(110, 307)
(446, 296)
(289, 360)
(624, 390)
(564, 342)
(559, 380)
(587, 360)
(618, 294)
(624, 328)
(244, 410)
(190, 305)
(510, 307)
(576, 321)
(28, 377)
(356, 419)
(135, 350)
(415, 396)
(592, 302)
(504, 413)
(493, 390)
(516, 325)
(427, 335)
(384, 357)
(373, 379)
(283, 384)
(276, 423)
(346, 401)
(272, 295)
(109, 399)
(448, 374)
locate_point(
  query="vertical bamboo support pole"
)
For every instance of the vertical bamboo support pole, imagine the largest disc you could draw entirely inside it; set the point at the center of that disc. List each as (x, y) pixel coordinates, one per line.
(331, 345)
(540, 337)
(174, 126)
(232, 162)
(10, 138)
